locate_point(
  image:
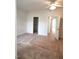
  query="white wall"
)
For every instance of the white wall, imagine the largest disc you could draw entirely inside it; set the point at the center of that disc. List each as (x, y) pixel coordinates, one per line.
(21, 22)
(25, 21)
(58, 12)
(43, 22)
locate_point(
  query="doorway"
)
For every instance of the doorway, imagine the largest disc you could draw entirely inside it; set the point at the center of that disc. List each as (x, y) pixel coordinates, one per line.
(54, 24)
(35, 25)
(55, 27)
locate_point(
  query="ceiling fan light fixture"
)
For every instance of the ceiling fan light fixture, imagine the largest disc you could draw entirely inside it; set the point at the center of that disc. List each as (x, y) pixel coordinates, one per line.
(52, 7)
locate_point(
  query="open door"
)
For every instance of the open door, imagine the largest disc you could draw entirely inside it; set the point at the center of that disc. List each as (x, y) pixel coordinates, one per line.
(55, 26)
(35, 25)
(61, 29)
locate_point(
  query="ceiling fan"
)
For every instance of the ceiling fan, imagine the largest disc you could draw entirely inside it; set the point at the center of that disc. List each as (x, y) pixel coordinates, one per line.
(54, 4)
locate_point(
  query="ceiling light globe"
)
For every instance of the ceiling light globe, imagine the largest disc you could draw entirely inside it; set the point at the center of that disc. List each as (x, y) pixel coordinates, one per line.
(52, 8)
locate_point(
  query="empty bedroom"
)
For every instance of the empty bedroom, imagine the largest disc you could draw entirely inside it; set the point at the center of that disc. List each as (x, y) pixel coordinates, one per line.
(39, 29)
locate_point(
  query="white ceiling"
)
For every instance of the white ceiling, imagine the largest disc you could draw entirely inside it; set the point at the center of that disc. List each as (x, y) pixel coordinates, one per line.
(28, 5)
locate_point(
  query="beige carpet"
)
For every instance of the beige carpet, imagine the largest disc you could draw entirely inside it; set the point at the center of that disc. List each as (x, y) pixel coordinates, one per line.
(32, 46)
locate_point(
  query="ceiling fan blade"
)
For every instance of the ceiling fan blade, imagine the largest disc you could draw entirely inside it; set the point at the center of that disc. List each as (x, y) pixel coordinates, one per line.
(51, 0)
(58, 5)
